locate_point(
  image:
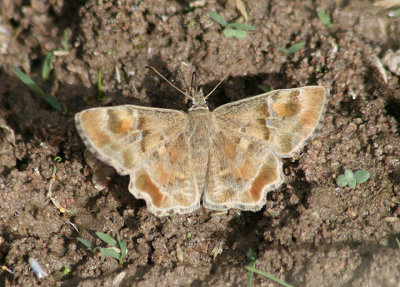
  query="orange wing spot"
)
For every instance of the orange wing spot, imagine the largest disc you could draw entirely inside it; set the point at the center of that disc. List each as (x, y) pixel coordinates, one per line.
(144, 184)
(285, 109)
(245, 171)
(266, 177)
(124, 125)
(229, 152)
(308, 118)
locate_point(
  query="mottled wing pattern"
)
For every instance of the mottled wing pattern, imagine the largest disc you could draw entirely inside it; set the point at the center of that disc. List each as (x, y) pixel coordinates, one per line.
(253, 133)
(148, 144)
(283, 119)
(240, 172)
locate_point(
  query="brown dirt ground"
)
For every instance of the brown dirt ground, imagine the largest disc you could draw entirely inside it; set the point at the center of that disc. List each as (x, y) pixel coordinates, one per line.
(311, 233)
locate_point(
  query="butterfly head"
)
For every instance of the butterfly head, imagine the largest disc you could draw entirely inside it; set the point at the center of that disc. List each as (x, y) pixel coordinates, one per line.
(196, 95)
(198, 99)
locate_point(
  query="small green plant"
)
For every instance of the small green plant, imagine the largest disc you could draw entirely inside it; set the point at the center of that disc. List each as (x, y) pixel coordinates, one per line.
(352, 179)
(31, 84)
(292, 49)
(116, 250)
(237, 30)
(326, 20)
(251, 268)
(66, 271)
(46, 69)
(100, 95)
(398, 242)
(65, 40)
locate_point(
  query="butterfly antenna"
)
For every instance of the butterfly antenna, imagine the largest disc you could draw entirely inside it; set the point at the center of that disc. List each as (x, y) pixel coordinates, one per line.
(223, 79)
(184, 81)
(165, 79)
(193, 85)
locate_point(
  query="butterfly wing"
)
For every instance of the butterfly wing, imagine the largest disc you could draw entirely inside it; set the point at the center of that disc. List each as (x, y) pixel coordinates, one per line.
(240, 172)
(253, 134)
(149, 145)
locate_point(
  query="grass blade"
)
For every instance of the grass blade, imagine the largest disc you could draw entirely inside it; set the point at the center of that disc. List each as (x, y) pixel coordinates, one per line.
(107, 239)
(28, 81)
(264, 88)
(46, 69)
(65, 40)
(31, 84)
(100, 86)
(269, 276)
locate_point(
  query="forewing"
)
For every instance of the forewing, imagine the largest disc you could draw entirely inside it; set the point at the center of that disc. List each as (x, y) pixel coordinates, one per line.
(283, 119)
(151, 146)
(240, 173)
(124, 136)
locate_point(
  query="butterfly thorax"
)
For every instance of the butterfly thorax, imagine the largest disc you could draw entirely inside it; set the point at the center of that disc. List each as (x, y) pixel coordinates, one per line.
(198, 100)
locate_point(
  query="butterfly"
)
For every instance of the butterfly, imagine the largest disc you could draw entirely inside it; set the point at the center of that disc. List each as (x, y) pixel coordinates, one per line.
(225, 158)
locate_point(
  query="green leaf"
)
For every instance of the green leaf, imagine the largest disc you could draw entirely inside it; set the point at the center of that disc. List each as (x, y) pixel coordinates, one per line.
(349, 174)
(263, 88)
(398, 242)
(122, 246)
(241, 26)
(85, 242)
(342, 181)
(64, 42)
(352, 183)
(284, 50)
(46, 69)
(295, 47)
(31, 84)
(229, 33)
(238, 34)
(217, 18)
(110, 253)
(53, 102)
(326, 20)
(269, 276)
(362, 175)
(100, 96)
(107, 239)
(28, 81)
